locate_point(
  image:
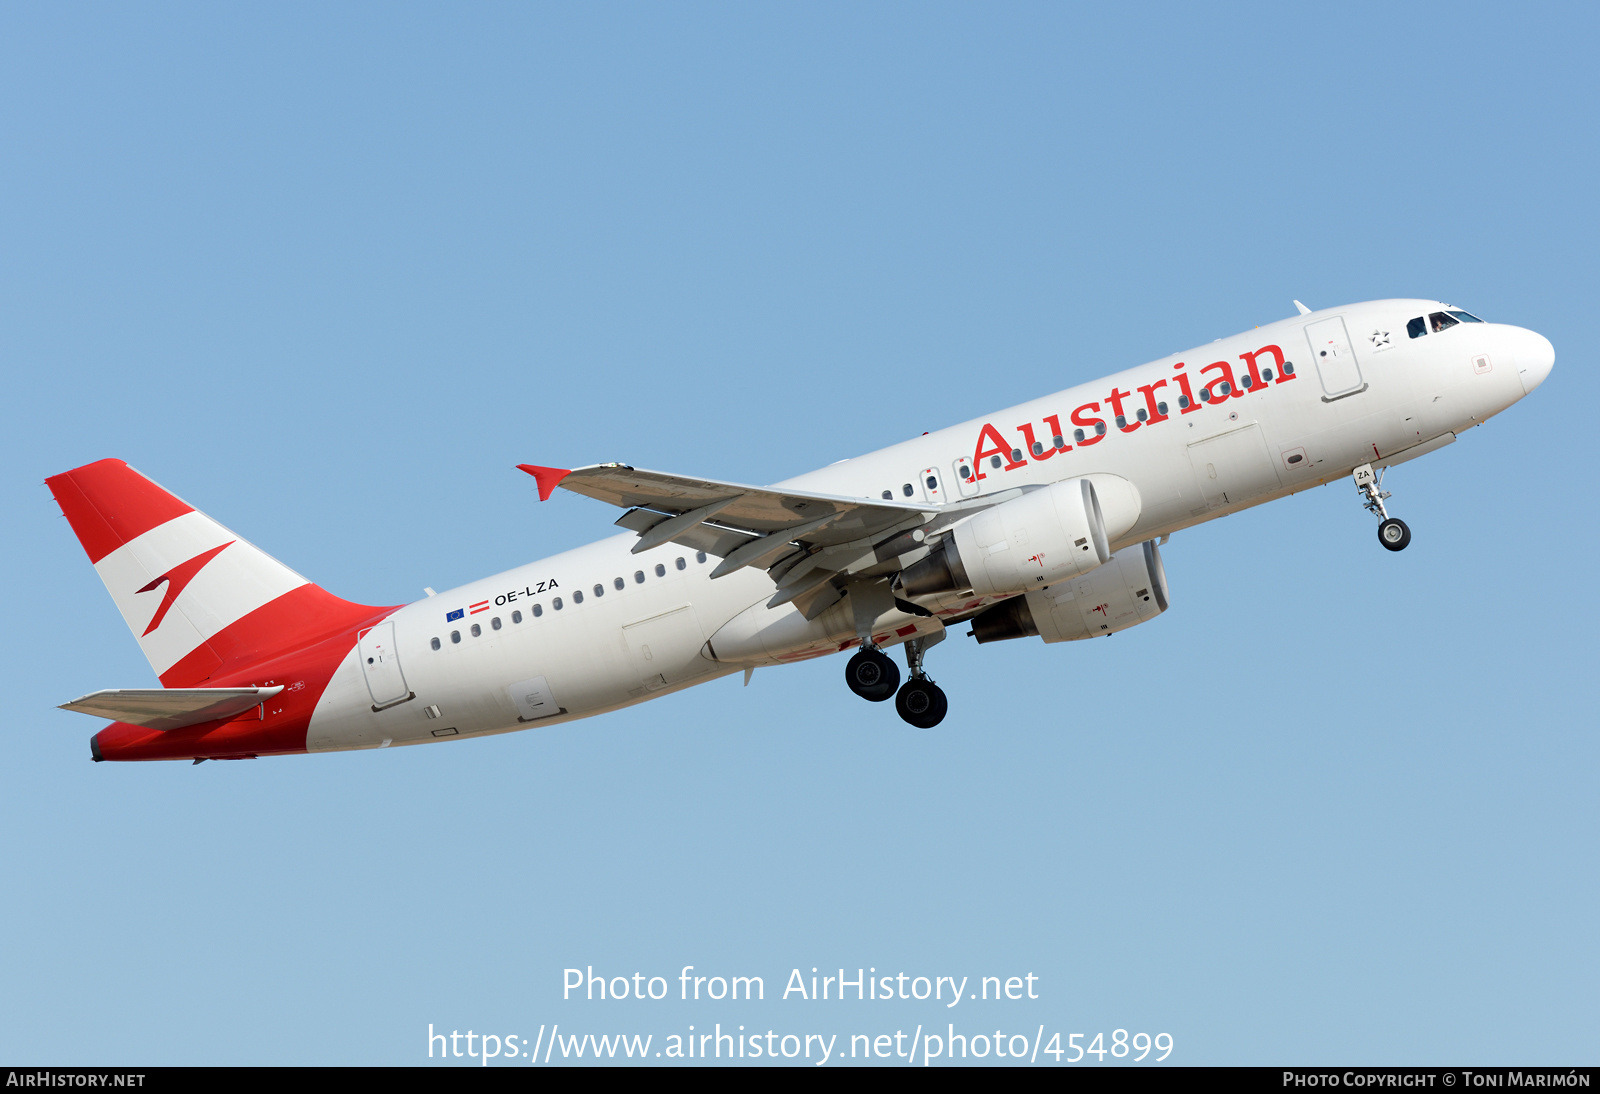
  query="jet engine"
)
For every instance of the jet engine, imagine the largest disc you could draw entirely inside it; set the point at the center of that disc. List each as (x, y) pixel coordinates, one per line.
(1130, 589)
(1046, 536)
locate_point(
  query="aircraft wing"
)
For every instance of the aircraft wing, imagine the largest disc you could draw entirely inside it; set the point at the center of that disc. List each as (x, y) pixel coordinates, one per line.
(803, 539)
(170, 708)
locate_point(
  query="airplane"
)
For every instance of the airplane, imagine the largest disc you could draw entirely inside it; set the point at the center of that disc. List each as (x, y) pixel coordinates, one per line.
(1041, 520)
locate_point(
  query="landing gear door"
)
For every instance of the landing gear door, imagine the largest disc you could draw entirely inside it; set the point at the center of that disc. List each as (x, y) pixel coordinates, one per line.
(380, 664)
(1336, 361)
(966, 480)
(932, 486)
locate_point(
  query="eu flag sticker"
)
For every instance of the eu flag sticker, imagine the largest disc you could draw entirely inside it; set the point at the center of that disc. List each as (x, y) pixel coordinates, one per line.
(451, 617)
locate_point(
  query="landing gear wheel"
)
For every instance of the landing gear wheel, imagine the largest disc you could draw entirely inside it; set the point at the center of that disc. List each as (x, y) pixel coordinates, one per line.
(1394, 534)
(922, 703)
(871, 675)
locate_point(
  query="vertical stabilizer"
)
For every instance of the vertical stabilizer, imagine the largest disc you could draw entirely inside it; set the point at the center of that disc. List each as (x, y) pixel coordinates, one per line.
(201, 601)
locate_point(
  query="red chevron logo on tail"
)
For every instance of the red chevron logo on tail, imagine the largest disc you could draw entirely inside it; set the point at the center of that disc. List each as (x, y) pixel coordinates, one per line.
(177, 579)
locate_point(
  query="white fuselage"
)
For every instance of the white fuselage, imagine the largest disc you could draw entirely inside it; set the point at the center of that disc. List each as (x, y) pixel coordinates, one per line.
(1378, 397)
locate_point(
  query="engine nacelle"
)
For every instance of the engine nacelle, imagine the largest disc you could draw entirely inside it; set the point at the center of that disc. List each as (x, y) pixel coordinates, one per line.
(1130, 589)
(1044, 537)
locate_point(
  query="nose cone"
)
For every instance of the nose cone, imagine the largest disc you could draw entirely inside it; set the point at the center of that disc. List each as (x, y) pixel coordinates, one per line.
(1535, 358)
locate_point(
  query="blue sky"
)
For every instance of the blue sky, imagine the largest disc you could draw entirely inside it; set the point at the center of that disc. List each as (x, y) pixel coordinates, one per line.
(329, 274)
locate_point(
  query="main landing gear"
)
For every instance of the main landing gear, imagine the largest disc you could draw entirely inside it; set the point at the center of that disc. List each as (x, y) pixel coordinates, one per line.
(871, 675)
(1392, 532)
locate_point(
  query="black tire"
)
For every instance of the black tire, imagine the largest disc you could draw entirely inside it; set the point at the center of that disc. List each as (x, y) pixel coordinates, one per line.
(922, 703)
(1394, 534)
(871, 675)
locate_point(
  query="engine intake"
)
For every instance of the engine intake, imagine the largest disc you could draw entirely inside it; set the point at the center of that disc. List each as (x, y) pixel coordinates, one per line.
(1131, 589)
(1044, 537)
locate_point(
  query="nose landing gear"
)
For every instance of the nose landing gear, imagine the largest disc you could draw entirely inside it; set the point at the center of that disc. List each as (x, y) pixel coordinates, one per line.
(1392, 532)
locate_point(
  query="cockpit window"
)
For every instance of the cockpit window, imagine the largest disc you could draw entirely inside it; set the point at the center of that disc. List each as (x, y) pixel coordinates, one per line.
(1441, 322)
(1464, 316)
(1418, 326)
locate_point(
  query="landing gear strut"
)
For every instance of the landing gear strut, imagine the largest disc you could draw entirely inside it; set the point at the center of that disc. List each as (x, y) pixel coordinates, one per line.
(921, 702)
(1392, 532)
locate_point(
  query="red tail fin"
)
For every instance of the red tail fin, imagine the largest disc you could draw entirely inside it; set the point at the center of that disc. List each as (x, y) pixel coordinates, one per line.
(204, 604)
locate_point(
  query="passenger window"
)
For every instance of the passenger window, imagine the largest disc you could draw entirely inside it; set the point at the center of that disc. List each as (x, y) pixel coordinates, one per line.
(1059, 441)
(888, 495)
(577, 597)
(1417, 327)
(435, 643)
(1440, 322)
(477, 631)
(700, 557)
(1122, 422)
(966, 473)
(538, 610)
(907, 489)
(1183, 402)
(638, 577)
(556, 603)
(617, 583)
(1099, 429)
(1161, 408)
(495, 623)
(682, 564)
(994, 461)
(599, 591)
(516, 617)
(1016, 455)
(455, 636)
(661, 571)
(933, 483)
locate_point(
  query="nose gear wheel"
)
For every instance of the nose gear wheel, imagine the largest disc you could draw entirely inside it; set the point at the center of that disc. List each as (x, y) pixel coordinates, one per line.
(1394, 534)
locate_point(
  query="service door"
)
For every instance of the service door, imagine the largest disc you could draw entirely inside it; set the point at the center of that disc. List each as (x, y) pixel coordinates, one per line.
(533, 699)
(381, 666)
(666, 648)
(1233, 467)
(1336, 361)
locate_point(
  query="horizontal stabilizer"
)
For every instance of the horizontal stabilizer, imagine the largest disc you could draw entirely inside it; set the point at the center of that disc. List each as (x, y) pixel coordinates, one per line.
(170, 708)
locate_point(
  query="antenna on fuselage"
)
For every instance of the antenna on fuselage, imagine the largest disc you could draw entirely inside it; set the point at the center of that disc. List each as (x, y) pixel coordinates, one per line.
(1303, 309)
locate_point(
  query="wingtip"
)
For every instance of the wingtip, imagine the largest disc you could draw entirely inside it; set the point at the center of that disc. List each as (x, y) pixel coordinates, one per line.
(547, 478)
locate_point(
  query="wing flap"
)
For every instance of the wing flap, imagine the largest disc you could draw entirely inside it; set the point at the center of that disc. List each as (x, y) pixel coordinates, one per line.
(170, 708)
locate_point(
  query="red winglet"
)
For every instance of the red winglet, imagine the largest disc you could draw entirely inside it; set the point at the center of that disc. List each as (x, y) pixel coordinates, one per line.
(548, 478)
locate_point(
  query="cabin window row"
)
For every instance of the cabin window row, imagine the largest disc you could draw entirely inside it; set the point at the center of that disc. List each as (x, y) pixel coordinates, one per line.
(537, 610)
